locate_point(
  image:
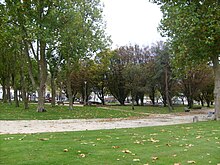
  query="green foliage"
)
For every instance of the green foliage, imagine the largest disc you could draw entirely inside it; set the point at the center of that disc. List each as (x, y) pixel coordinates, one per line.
(198, 143)
(193, 28)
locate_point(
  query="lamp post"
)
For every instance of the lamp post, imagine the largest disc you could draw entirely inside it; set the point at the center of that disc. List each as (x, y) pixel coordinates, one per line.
(85, 82)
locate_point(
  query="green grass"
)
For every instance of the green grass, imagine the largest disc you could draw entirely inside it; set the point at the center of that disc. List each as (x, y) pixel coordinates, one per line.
(199, 142)
(9, 112)
(150, 109)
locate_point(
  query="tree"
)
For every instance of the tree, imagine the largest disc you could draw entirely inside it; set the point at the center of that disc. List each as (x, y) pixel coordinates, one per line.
(193, 29)
(100, 70)
(82, 36)
(116, 81)
(133, 76)
(164, 75)
(72, 29)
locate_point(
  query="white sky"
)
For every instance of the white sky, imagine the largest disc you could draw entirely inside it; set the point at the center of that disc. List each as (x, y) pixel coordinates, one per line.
(132, 22)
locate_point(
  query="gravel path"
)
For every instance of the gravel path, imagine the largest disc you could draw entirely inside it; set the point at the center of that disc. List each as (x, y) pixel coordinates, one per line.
(38, 126)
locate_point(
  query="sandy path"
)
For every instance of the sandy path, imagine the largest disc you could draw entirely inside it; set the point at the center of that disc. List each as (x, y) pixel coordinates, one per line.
(37, 126)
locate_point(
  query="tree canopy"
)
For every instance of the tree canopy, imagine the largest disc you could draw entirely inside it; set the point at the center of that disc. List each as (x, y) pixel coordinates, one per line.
(193, 29)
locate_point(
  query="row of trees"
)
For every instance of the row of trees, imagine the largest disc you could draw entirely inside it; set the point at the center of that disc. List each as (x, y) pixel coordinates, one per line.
(137, 72)
(58, 38)
(128, 71)
(38, 36)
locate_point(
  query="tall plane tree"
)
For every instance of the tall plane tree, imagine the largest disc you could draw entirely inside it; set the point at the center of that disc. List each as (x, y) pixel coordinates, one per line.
(193, 29)
(82, 36)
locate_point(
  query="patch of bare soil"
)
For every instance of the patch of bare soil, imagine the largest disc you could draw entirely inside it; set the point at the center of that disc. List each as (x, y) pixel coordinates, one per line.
(39, 126)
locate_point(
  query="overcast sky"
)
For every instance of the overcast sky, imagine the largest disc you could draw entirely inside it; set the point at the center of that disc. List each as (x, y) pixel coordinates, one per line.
(132, 21)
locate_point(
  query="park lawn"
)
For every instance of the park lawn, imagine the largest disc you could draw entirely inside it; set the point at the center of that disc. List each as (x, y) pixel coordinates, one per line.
(9, 112)
(152, 109)
(196, 143)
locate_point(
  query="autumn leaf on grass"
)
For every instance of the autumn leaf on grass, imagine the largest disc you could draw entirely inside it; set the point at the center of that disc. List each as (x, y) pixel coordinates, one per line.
(174, 155)
(126, 151)
(65, 150)
(191, 161)
(169, 145)
(82, 155)
(137, 142)
(136, 160)
(154, 158)
(153, 140)
(43, 139)
(115, 147)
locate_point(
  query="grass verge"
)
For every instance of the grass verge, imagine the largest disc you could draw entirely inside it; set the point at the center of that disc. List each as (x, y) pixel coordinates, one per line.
(10, 112)
(164, 145)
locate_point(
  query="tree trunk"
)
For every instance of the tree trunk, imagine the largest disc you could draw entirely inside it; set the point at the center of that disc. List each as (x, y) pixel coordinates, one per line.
(216, 67)
(137, 100)
(53, 89)
(4, 91)
(152, 95)
(43, 78)
(41, 98)
(15, 91)
(142, 100)
(102, 96)
(23, 89)
(70, 95)
(167, 90)
(24, 98)
(16, 97)
(8, 94)
(69, 91)
(190, 101)
(132, 98)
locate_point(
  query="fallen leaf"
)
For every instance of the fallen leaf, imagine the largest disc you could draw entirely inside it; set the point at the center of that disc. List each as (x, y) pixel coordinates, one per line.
(65, 150)
(115, 146)
(153, 140)
(191, 161)
(169, 145)
(136, 160)
(154, 158)
(126, 151)
(137, 142)
(43, 139)
(82, 155)
(176, 164)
